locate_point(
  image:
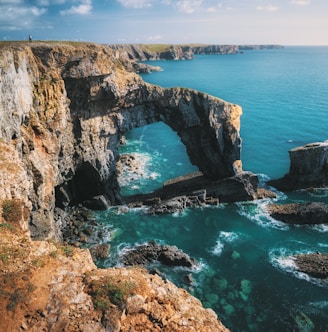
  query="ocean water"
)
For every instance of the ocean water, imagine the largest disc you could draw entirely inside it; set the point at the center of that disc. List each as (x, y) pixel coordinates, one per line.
(243, 272)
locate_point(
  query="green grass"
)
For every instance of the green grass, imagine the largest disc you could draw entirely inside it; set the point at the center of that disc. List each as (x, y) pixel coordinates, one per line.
(110, 291)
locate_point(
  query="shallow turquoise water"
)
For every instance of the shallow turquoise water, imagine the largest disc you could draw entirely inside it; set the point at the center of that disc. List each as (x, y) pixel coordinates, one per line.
(243, 271)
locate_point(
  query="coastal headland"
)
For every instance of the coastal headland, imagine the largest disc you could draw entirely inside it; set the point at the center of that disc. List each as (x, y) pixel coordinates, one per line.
(65, 108)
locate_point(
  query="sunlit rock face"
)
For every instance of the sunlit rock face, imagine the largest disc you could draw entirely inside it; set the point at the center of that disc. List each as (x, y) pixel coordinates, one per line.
(308, 168)
(64, 109)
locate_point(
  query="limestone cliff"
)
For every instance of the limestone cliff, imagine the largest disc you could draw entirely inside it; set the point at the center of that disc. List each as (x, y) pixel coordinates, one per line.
(64, 109)
(142, 52)
(308, 168)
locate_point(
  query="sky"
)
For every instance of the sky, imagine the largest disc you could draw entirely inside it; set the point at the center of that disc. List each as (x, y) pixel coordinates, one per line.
(284, 22)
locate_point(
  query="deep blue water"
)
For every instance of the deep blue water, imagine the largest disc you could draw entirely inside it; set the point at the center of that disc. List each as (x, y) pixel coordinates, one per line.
(244, 273)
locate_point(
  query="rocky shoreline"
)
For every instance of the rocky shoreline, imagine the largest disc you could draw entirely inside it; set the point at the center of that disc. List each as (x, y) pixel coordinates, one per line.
(65, 109)
(143, 52)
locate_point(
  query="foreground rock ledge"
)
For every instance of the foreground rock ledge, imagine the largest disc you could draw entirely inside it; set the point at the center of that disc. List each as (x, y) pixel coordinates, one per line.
(47, 287)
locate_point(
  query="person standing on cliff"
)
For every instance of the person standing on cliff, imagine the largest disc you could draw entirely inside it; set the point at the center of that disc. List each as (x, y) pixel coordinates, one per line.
(30, 38)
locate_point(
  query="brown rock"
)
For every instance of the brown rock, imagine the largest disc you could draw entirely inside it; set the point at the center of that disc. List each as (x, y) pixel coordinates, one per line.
(315, 264)
(64, 109)
(308, 168)
(300, 213)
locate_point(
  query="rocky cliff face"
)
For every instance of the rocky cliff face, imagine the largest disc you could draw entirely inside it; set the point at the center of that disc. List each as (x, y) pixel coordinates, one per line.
(308, 168)
(142, 52)
(48, 287)
(64, 109)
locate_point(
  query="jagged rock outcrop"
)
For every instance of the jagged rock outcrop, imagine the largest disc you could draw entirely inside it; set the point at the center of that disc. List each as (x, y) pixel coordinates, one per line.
(308, 168)
(154, 252)
(48, 287)
(310, 213)
(194, 190)
(313, 264)
(64, 109)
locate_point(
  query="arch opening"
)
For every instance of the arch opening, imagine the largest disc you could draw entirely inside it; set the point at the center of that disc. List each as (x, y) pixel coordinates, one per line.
(150, 156)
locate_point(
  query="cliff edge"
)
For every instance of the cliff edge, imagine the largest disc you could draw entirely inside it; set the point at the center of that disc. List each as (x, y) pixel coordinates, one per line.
(65, 108)
(47, 286)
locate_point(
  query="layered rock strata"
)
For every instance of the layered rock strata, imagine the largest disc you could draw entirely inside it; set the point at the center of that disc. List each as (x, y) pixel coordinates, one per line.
(194, 190)
(64, 109)
(308, 168)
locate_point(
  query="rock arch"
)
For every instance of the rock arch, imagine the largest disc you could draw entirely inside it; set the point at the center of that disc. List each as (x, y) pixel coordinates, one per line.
(102, 113)
(64, 110)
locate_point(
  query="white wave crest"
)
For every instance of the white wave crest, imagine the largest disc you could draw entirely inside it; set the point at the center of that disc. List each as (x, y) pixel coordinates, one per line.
(257, 212)
(281, 258)
(224, 237)
(322, 228)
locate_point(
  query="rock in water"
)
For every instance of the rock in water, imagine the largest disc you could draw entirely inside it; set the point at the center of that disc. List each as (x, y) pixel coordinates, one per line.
(300, 213)
(315, 264)
(308, 168)
(153, 252)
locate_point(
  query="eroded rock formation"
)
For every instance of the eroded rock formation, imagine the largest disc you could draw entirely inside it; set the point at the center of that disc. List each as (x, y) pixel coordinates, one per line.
(154, 252)
(308, 168)
(64, 109)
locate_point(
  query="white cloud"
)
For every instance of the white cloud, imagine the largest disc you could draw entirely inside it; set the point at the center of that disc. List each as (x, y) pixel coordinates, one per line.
(188, 6)
(136, 3)
(15, 15)
(300, 2)
(268, 8)
(154, 38)
(83, 9)
(214, 9)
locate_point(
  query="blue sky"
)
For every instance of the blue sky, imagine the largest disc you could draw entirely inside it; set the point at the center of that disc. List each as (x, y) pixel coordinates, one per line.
(286, 22)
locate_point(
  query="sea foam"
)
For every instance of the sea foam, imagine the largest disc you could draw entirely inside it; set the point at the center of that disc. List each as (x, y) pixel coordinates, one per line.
(224, 238)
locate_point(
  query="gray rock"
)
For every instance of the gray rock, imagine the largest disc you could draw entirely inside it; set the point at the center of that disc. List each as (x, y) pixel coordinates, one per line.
(300, 213)
(308, 168)
(314, 264)
(152, 252)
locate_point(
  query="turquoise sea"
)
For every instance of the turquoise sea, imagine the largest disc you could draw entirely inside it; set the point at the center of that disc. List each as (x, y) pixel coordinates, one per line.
(244, 273)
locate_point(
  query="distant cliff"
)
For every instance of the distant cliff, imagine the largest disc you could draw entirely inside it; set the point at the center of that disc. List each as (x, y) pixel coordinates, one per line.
(142, 52)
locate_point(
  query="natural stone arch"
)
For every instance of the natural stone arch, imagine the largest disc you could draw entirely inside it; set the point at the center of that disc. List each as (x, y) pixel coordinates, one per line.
(207, 126)
(102, 113)
(78, 102)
